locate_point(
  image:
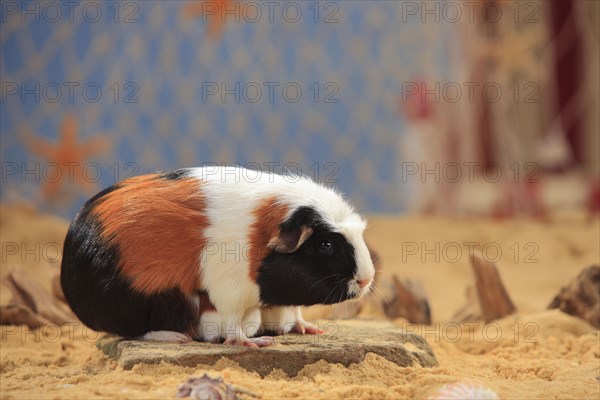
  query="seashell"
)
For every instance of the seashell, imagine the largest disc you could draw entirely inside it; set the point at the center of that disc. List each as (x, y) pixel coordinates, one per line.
(206, 388)
(464, 391)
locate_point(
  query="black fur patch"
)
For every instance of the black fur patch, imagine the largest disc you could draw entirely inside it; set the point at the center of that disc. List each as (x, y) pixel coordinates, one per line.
(101, 298)
(304, 216)
(306, 276)
(98, 196)
(176, 174)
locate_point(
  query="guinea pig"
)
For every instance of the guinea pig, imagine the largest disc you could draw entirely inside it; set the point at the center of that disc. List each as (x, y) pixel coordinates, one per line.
(213, 254)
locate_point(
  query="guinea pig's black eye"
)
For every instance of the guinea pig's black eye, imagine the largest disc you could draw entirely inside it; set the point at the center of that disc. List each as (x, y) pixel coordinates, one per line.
(326, 247)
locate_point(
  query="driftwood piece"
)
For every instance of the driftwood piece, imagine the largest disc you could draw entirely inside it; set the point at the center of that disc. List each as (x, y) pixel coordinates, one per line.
(471, 311)
(581, 298)
(19, 314)
(409, 302)
(29, 298)
(490, 300)
(493, 298)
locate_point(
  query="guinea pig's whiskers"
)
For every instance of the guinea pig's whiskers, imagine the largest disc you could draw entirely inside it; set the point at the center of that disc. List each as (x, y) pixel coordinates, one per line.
(341, 281)
(340, 299)
(354, 307)
(374, 294)
(378, 298)
(321, 280)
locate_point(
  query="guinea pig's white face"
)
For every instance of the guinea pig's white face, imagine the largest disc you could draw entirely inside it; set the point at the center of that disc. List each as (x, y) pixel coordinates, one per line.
(361, 283)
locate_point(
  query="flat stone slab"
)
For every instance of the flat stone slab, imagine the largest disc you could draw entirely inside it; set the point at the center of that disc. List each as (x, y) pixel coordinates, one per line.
(344, 342)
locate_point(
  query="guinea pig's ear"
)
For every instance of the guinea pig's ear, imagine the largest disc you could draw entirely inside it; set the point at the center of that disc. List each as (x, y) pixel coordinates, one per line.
(289, 240)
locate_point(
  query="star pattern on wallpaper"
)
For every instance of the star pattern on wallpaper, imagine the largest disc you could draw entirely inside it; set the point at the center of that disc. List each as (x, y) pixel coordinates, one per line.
(211, 11)
(168, 57)
(66, 168)
(512, 51)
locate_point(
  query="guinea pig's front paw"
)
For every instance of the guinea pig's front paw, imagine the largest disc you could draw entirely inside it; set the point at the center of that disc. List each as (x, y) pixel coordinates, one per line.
(262, 341)
(306, 328)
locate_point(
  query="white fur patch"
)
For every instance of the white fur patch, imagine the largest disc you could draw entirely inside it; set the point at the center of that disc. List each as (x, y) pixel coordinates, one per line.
(278, 319)
(213, 327)
(231, 195)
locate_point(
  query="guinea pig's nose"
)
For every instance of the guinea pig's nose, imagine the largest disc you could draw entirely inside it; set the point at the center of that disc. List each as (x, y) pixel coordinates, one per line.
(363, 282)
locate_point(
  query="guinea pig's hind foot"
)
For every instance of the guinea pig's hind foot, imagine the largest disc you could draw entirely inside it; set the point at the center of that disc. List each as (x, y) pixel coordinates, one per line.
(262, 341)
(167, 336)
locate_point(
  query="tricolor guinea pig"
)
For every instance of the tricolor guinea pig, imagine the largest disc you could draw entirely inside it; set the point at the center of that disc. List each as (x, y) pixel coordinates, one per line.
(213, 254)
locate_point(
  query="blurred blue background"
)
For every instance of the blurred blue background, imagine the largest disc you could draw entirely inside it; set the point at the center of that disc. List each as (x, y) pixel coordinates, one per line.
(150, 77)
(93, 92)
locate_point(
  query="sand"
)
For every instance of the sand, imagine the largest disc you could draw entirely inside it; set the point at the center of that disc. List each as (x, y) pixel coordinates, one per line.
(533, 354)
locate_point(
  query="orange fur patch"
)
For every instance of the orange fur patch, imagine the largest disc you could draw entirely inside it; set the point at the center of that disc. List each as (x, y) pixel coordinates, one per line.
(158, 225)
(269, 215)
